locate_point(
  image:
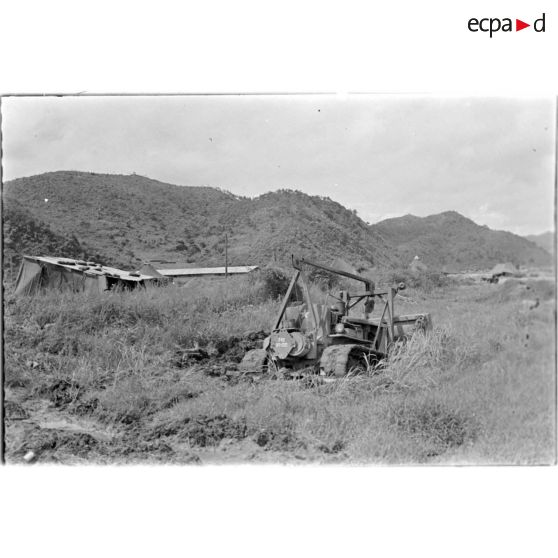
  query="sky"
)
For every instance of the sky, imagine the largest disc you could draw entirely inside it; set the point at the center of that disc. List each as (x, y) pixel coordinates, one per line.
(491, 159)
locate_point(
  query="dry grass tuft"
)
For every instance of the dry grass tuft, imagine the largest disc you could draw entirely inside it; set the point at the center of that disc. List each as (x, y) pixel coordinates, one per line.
(433, 424)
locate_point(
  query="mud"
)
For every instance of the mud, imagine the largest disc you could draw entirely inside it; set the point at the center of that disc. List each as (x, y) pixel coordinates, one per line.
(51, 434)
(202, 430)
(209, 431)
(61, 392)
(234, 348)
(41, 427)
(132, 448)
(49, 444)
(58, 422)
(14, 411)
(282, 439)
(228, 350)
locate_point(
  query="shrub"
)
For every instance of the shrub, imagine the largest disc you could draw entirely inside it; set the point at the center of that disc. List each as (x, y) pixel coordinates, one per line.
(276, 282)
(425, 280)
(324, 279)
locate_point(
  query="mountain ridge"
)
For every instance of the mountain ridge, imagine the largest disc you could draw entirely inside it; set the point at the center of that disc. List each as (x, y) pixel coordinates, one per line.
(131, 218)
(545, 240)
(136, 218)
(451, 239)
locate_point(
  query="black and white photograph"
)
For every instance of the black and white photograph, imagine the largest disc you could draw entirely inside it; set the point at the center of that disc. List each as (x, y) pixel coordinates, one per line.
(294, 279)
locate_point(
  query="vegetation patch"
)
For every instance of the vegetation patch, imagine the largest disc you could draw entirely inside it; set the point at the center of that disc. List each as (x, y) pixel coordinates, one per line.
(514, 290)
(205, 431)
(334, 448)
(425, 280)
(420, 362)
(127, 404)
(279, 438)
(474, 388)
(433, 424)
(61, 391)
(275, 282)
(132, 447)
(14, 411)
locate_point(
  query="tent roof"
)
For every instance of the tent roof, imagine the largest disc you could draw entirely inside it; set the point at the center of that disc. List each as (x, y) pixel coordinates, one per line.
(148, 269)
(89, 268)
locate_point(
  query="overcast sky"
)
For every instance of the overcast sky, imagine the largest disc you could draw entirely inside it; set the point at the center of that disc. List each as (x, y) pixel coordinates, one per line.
(491, 159)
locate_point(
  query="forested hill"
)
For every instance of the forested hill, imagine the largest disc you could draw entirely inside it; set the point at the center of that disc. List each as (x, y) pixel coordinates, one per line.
(23, 234)
(545, 240)
(449, 239)
(131, 218)
(135, 218)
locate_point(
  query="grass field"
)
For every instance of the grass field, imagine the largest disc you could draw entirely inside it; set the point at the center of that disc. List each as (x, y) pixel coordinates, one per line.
(108, 380)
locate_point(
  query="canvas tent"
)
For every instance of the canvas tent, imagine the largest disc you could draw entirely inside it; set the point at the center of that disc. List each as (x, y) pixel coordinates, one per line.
(40, 273)
(417, 265)
(504, 269)
(148, 269)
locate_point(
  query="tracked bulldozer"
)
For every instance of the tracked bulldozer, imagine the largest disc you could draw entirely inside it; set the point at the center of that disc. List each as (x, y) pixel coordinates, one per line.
(330, 339)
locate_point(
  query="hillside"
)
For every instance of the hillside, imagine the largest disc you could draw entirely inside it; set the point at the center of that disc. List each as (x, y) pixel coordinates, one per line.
(453, 240)
(133, 218)
(544, 240)
(25, 235)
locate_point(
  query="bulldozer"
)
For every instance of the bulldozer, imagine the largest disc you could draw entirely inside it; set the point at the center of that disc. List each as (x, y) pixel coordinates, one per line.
(329, 338)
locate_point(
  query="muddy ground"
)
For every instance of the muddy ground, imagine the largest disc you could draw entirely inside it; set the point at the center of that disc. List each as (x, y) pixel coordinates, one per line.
(37, 431)
(55, 425)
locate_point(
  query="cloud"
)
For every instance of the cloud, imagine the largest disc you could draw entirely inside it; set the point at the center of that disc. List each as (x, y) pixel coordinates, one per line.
(381, 155)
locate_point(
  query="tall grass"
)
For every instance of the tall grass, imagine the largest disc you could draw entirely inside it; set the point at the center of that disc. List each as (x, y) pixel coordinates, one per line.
(478, 388)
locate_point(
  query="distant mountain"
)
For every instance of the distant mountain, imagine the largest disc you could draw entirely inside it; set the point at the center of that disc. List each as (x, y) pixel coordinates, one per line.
(545, 240)
(449, 239)
(135, 218)
(132, 218)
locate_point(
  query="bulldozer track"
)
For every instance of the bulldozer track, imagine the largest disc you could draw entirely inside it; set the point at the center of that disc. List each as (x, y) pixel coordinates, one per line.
(338, 360)
(254, 361)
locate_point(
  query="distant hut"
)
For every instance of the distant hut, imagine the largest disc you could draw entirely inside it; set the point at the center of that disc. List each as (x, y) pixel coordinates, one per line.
(504, 270)
(417, 265)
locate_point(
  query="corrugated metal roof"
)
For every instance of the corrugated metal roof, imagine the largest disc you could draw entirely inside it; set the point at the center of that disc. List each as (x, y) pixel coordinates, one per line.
(232, 270)
(90, 268)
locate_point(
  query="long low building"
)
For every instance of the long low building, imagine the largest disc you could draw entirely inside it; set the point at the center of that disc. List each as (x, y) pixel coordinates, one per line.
(45, 272)
(207, 271)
